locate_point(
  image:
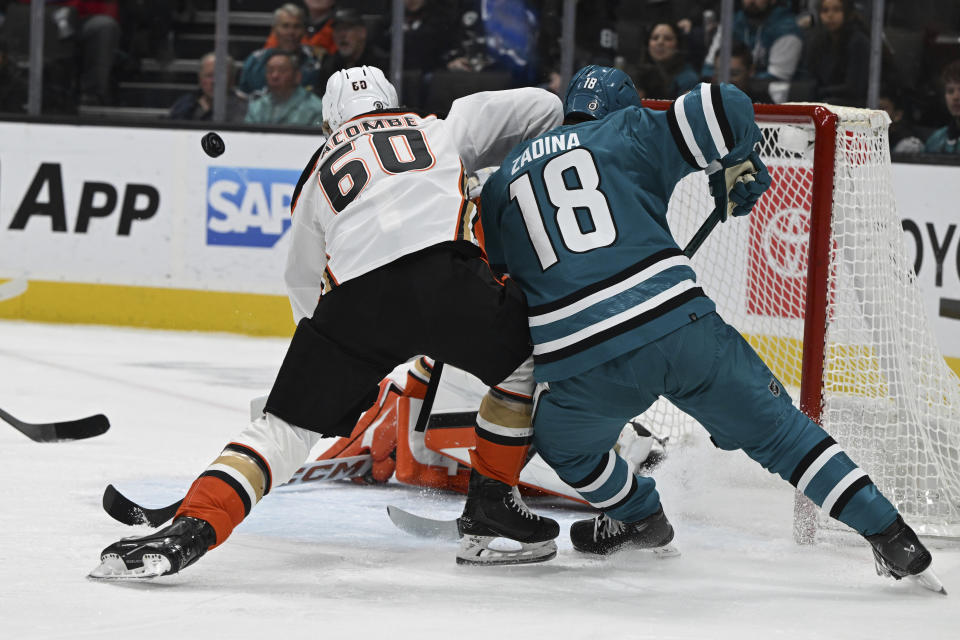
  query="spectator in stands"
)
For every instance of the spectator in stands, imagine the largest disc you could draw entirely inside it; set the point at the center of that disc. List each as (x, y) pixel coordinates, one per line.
(319, 32)
(353, 50)
(146, 31)
(288, 27)
(665, 73)
(905, 136)
(428, 33)
(741, 74)
(947, 139)
(838, 55)
(198, 104)
(741, 68)
(769, 29)
(285, 101)
(93, 24)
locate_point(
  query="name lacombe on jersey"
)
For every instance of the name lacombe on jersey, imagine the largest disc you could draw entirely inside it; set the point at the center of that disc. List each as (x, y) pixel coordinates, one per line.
(346, 134)
(542, 146)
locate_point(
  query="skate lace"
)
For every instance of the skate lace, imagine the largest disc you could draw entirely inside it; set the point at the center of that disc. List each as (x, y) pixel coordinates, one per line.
(606, 527)
(518, 505)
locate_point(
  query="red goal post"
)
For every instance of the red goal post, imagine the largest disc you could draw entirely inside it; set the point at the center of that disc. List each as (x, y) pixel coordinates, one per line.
(818, 281)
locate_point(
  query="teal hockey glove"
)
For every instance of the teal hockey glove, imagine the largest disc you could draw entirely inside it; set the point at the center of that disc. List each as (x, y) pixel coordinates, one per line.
(736, 189)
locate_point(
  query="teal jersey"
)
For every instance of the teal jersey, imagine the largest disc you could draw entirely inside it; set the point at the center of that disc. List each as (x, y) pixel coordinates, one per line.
(578, 217)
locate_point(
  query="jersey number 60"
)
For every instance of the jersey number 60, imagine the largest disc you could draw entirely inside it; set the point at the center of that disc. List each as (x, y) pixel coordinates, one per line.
(571, 183)
(343, 177)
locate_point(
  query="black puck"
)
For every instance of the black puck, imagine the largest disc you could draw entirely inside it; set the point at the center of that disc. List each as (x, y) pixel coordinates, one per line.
(212, 144)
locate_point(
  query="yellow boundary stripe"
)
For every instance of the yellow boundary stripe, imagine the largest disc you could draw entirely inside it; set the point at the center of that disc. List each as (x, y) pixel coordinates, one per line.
(199, 310)
(150, 307)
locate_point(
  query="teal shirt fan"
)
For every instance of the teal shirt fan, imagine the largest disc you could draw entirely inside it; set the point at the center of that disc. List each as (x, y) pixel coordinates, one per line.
(580, 216)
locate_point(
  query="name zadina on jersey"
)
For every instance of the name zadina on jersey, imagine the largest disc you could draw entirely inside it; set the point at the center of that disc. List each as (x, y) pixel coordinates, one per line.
(387, 184)
(578, 217)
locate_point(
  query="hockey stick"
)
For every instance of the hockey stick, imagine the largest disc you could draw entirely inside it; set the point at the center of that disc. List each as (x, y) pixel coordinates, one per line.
(126, 511)
(702, 233)
(123, 509)
(423, 527)
(53, 431)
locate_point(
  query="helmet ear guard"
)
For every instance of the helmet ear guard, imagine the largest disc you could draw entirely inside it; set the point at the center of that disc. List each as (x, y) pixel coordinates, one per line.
(353, 91)
(595, 91)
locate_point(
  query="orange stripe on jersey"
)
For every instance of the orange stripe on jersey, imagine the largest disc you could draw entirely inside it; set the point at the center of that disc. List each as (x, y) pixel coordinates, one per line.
(213, 500)
(513, 395)
(462, 217)
(330, 279)
(478, 229)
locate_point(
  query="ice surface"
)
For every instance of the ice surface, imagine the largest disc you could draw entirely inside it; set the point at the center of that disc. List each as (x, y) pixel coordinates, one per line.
(325, 562)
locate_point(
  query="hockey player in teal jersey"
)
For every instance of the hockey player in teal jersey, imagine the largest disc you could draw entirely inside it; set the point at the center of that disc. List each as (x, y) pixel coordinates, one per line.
(577, 217)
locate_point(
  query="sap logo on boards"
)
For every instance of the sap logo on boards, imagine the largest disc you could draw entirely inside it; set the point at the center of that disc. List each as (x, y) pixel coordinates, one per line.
(44, 198)
(248, 207)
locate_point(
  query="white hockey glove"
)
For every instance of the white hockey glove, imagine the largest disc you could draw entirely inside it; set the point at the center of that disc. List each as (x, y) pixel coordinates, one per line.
(736, 189)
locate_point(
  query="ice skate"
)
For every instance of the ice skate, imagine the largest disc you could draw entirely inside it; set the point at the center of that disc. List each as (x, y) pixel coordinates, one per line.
(603, 535)
(496, 510)
(161, 553)
(898, 553)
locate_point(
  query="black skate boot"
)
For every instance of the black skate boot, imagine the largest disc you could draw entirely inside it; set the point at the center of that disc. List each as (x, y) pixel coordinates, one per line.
(496, 510)
(604, 535)
(163, 552)
(898, 553)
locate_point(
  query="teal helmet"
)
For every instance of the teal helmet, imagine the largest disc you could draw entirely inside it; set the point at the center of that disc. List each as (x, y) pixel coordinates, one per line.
(596, 91)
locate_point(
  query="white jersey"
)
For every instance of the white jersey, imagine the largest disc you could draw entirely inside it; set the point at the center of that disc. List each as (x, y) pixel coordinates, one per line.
(387, 184)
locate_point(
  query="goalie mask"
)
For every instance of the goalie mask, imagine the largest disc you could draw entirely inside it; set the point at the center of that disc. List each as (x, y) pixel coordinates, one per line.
(596, 91)
(353, 91)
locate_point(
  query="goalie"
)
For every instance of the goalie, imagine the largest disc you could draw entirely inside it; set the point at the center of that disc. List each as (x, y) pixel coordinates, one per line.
(440, 456)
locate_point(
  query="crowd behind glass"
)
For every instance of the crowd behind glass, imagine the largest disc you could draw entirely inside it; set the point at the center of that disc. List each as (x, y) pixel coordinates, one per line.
(149, 60)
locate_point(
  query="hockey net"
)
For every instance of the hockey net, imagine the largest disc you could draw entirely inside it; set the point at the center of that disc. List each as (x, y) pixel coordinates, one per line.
(818, 280)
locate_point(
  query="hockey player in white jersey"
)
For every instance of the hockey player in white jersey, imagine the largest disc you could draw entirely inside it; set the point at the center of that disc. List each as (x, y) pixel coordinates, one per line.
(381, 269)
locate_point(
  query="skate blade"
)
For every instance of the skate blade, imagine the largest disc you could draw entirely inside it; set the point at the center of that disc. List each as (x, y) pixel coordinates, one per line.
(112, 567)
(929, 580)
(476, 551)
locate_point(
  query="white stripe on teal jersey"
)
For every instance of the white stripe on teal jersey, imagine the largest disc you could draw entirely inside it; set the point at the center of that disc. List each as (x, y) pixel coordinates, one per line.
(816, 465)
(614, 320)
(710, 114)
(609, 292)
(680, 110)
(603, 477)
(840, 487)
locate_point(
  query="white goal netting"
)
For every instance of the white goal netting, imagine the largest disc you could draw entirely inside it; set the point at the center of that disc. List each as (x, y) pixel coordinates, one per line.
(888, 396)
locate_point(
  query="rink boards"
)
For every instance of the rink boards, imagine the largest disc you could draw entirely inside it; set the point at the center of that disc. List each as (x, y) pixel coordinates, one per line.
(136, 226)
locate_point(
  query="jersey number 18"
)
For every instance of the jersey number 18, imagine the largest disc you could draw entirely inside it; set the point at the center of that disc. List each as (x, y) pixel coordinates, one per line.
(568, 204)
